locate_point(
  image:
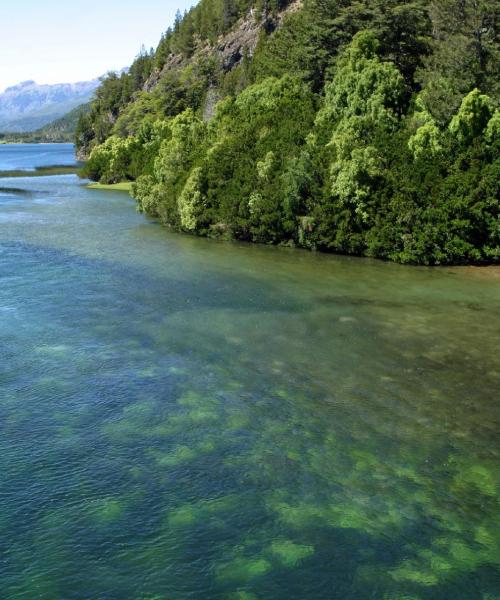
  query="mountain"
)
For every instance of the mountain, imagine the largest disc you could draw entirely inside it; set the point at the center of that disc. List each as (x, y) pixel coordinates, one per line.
(364, 127)
(60, 130)
(28, 106)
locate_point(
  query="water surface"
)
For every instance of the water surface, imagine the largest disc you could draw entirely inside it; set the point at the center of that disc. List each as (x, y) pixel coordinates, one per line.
(182, 418)
(28, 157)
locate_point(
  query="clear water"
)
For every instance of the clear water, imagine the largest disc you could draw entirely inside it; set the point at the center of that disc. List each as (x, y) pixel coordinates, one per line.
(28, 157)
(181, 418)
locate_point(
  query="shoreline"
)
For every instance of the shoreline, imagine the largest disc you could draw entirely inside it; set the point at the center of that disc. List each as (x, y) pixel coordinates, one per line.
(126, 186)
(123, 186)
(41, 171)
(483, 270)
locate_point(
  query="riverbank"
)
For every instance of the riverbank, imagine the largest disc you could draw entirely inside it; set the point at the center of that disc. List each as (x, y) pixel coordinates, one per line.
(124, 186)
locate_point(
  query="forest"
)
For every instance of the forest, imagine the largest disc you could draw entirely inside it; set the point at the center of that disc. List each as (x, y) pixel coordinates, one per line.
(364, 127)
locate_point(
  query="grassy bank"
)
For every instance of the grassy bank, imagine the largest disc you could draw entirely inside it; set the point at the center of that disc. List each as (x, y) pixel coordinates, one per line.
(124, 186)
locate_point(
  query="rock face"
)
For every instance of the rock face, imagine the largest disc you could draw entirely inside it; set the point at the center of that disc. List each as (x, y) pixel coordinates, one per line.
(241, 41)
(212, 97)
(28, 106)
(229, 49)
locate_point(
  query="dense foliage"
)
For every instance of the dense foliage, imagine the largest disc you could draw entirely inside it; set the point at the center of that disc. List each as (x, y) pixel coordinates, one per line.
(369, 127)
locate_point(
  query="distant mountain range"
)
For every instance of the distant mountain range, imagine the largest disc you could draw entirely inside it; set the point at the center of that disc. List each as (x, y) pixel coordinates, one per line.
(60, 130)
(29, 106)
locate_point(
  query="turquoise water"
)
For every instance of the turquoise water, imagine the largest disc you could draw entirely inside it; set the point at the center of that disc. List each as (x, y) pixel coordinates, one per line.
(182, 418)
(28, 157)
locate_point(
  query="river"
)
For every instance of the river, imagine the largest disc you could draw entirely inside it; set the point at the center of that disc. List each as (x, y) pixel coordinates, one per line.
(189, 419)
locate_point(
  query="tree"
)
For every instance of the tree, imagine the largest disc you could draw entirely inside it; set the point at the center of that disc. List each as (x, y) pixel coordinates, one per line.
(465, 54)
(184, 139)
(473, 117)
(362, 102)
(427, 139)
(255, 139)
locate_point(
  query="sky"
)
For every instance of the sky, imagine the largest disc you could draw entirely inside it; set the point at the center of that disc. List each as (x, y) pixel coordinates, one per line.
(65, 41)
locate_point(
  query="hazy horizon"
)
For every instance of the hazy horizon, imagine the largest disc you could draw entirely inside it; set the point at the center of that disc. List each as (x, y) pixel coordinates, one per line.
(60, 43)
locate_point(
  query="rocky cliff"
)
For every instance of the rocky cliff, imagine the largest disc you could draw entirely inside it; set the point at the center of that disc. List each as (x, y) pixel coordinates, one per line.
(230, 48)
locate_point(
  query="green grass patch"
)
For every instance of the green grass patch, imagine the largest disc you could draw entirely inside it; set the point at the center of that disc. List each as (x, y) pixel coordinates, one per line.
(124, 186)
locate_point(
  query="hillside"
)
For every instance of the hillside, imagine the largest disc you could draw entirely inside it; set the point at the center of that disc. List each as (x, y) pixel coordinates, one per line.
(28, 106)
(367, 127)
(60, 130)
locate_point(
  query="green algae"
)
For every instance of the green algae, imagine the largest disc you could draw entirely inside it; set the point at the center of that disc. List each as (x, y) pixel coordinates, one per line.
(197, 401)
(443, 559)
(178, 371)
(237, 421)
(66, 432)
(194, 399)
(199, 407)
(349, 517)
(139, 410)
(299, 516)
(478, 476)
(243, 570)
(200, 512)
(148, 372)
(399, 596)
(35, 585)
(289, 553)
(184, 515)
(107, 510)
(162, 430)
(176, 457)
(122, 430)
(412, 573)
(485, 537)
(241, 595)
(201, 414)
(364, 461)
(463, 557)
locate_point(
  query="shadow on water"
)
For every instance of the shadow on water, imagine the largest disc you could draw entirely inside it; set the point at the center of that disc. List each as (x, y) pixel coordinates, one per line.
(10, 191)
(9, 194)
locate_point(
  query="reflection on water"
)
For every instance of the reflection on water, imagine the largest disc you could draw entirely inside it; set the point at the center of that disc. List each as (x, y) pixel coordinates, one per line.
(189, 419)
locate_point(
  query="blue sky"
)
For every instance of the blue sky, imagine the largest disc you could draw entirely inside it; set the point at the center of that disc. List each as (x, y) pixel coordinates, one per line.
(59, 41)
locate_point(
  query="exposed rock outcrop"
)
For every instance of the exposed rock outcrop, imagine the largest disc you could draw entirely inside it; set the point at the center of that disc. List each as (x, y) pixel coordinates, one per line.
(230, 48)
